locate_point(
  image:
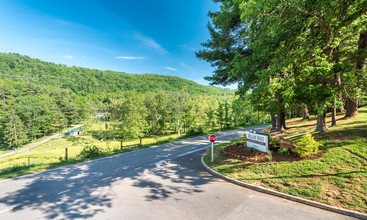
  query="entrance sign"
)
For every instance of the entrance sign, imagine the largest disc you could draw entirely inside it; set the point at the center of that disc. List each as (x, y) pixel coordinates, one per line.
(212, 138)
(258, 141)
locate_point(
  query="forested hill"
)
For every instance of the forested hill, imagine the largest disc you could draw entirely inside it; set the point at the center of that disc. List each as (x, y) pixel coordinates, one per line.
(83, 81)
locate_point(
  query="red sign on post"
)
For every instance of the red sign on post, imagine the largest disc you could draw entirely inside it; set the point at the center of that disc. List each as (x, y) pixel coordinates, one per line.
(212, 138)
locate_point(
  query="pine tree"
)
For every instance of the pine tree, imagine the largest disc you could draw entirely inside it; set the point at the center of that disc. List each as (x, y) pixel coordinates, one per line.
(14, 131)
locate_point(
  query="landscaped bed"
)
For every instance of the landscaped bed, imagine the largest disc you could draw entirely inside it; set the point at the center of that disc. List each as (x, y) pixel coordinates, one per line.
(336, 175)
(244, 153)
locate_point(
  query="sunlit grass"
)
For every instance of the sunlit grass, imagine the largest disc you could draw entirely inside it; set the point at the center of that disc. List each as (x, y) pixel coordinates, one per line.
(338, 178)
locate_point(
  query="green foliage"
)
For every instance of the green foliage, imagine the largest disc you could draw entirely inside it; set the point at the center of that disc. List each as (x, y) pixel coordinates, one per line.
(84, 81)
(90, 151)
(197, 130)
(47, 98)
(74, 139)
(14, 131)
(307, 146)
(283, 151)
(251, 149)
(273, 141)
(289, 53)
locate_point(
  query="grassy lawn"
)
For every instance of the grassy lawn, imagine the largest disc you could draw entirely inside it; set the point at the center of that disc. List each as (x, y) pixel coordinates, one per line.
(4, 151)
(338, 178)
(52, 154)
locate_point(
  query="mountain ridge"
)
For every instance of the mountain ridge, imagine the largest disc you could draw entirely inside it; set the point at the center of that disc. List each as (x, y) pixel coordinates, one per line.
(83, 81)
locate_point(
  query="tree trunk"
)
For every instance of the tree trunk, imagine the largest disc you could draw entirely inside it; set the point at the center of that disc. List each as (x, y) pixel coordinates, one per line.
(322, 123)
(178, 126)
(352, 103)
(333, 113)
(141, 141)
(114, 131)
(305, 113)
(341, 109)
(281, 117)
(274, 119)
(298, 111)
(351, 108)
(281, 122)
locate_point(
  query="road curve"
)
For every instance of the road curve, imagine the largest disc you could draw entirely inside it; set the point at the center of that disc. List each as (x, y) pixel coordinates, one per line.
(163, 182)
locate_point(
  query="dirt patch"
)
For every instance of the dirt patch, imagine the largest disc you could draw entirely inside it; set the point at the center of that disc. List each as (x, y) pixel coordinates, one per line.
(244, 153)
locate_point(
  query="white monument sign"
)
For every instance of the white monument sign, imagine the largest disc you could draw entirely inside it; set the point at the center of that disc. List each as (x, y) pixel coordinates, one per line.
(258, 141)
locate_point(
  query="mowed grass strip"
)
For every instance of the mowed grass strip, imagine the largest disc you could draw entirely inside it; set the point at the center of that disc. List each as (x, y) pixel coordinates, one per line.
(338, 178)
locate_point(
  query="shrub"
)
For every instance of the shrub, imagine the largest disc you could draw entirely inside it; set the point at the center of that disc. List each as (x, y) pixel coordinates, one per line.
(74, 139)
(273, 142)
(90, 151)
(197, 130)
(283, 151)
(238, 144)
(307, 146)
(251, 149)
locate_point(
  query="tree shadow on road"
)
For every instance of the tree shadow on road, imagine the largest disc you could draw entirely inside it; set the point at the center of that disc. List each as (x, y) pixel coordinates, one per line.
(84, 190)
(170, 178)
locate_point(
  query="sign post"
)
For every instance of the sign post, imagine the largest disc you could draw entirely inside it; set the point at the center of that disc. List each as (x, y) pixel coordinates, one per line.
(212, 138)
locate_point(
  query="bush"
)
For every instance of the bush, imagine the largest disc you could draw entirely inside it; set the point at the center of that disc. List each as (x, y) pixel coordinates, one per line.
(251, 149)
(307, 146)
(197, 130)
(283, 151)
(74, 139)
(90, 151)
(273, 142)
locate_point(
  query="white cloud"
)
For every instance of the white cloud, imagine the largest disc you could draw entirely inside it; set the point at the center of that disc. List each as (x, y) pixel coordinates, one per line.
(186, 66)
(130, 58)
(170, 68)
(68, 56)
(188, 47)
(150, 42)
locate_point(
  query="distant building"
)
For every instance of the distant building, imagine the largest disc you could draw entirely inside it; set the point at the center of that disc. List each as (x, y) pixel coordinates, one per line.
(75, 131)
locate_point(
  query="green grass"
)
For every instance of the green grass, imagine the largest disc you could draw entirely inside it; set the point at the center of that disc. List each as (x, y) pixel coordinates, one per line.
(52, 154)
(338, 178)
(4, 151)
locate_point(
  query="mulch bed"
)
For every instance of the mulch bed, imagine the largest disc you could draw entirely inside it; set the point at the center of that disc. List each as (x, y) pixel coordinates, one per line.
(243, 153)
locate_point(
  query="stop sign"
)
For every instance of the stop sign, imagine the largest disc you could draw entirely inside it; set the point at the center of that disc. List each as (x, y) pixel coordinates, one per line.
(212, 138)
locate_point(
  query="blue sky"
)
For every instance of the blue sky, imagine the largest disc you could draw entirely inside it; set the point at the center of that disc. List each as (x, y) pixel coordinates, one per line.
(141, 36)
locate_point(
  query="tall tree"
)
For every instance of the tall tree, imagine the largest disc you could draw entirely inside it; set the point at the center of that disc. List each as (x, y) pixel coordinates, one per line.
(14, 131)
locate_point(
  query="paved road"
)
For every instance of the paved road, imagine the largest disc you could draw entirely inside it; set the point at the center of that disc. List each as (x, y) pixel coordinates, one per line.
(164, 182)
(32, 145)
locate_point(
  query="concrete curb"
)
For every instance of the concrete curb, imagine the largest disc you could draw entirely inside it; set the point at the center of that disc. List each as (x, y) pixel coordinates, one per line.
(285, 196)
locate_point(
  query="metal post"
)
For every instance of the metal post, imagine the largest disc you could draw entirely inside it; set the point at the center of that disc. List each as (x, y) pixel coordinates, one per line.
(212, 151)
(66, 153)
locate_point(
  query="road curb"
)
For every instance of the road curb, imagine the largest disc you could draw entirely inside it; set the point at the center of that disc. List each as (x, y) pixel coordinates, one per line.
(285, 196)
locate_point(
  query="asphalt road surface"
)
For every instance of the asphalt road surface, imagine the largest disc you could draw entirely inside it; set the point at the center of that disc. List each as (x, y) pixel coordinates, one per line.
(164, 182)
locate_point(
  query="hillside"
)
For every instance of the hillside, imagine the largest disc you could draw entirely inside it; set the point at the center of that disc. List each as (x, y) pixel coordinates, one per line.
(83, 81)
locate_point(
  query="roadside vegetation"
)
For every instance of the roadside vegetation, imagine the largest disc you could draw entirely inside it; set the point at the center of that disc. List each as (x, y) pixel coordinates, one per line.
(338, 177)
(52, 154)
